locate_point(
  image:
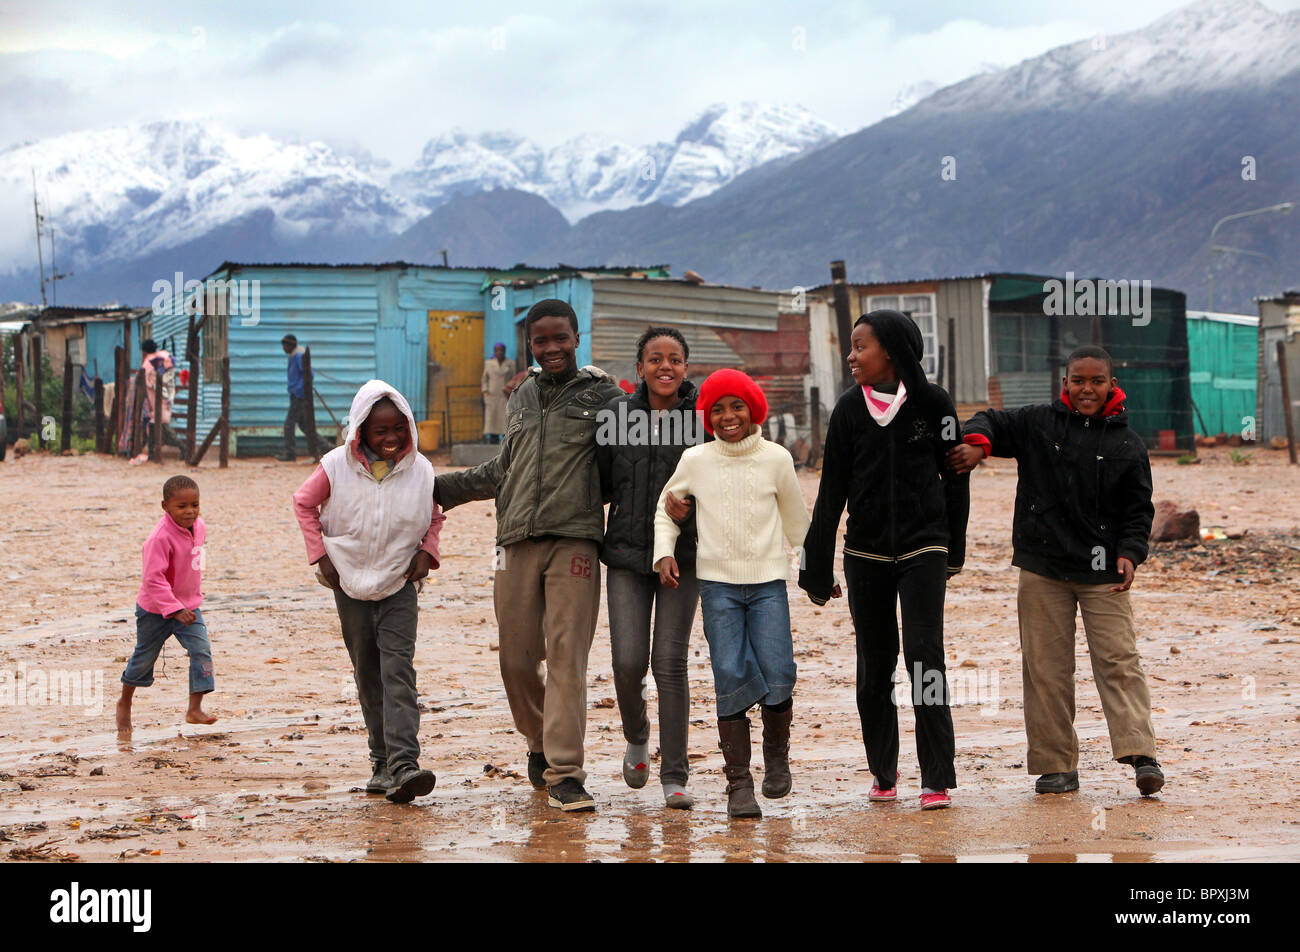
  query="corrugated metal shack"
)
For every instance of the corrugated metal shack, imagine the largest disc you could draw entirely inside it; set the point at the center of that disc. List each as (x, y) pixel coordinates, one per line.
(428, 329)
(1279, 320)
(990, 340)
(92, 333)
(1222, 355)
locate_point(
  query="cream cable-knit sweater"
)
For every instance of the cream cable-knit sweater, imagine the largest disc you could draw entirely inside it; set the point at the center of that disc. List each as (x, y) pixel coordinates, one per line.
(746, 498)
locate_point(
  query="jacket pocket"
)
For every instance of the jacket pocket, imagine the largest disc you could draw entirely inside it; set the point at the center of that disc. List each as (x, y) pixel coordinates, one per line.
(579, 424)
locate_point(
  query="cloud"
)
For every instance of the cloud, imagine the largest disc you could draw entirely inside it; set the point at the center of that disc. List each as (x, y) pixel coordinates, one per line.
(392, 76)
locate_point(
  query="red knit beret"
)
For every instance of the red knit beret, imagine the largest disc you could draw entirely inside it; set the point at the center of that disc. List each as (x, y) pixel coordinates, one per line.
(731, 383)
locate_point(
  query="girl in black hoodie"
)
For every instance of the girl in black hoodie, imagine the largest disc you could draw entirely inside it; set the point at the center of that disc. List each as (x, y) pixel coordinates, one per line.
(885, 456)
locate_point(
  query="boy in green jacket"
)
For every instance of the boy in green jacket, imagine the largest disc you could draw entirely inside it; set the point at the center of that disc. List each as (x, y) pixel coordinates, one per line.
(550, 522)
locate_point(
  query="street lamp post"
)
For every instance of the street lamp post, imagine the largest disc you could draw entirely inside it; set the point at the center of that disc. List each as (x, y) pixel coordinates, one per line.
(1282, 207)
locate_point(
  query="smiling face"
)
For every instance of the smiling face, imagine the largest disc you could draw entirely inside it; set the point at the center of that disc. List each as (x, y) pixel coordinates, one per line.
(662, 366)
(1088, 382)
(554, 343)
(385, 430)
(729, 418)
(868, 361)
(183, 507)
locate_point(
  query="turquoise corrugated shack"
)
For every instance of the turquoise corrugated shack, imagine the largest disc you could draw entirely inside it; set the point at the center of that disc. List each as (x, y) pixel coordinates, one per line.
(1222, 353)
(425, 329)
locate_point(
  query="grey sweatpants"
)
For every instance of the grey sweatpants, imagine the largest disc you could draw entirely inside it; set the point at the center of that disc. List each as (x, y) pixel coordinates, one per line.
(632, 595)
(380, 637)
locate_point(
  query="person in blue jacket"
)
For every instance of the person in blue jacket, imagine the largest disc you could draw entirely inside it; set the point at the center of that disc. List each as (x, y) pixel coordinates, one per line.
(298, 396)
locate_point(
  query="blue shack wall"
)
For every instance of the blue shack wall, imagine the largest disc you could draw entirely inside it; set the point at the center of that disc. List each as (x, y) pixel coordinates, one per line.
(360, 323)
(101, 339)
(514, 305)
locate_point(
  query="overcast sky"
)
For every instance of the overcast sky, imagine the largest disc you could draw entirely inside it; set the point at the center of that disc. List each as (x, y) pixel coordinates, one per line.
(388, 76)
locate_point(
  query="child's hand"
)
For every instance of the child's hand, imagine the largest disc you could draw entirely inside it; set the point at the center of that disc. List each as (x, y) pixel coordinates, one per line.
(1126, 568)
(668, 573)
(964, 458)
(184, 616)
(677, 509)
(328, 570)
(836, 592)
(420, 565)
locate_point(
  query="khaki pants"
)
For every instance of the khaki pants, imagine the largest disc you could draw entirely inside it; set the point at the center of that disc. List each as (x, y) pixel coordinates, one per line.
(547, 596)
(1047, 612)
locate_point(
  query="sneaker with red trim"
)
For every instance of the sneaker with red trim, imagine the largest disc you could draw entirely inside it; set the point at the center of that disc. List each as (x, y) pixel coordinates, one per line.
(882, 796)
(935, 801)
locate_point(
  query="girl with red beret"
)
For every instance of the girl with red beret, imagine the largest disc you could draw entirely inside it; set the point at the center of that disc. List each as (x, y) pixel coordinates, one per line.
(746, 499)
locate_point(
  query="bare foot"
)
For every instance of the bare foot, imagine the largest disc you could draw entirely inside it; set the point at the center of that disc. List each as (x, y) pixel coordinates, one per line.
(124, 716)
(199, 716)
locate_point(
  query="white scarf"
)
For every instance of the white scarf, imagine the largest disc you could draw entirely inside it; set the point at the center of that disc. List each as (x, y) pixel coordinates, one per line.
(884, 406)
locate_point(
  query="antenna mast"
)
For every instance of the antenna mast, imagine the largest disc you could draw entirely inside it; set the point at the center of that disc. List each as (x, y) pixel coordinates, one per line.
(40, 255)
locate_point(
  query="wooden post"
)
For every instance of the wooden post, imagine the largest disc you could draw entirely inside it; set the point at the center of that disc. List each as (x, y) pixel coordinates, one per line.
(137, 414)
(207, 442)
(155, 431)
(192, 407)
(225, 412)
(309, 394)
(36, 387)
(101, 446)
(18, 382)
(843, 319)
(815, 426)
(1288, 413)
(952, 359)
(115, 416)
(65, 438)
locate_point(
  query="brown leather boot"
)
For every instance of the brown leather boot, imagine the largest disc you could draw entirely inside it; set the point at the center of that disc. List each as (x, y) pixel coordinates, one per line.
(734, 740)
(776, 753)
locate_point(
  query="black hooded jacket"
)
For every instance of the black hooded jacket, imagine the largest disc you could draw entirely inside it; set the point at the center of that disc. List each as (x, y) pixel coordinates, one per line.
(1083, 498)
(634, 473)
(901, 496)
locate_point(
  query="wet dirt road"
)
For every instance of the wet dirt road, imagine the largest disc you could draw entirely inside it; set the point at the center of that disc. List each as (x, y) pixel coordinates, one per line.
(278, 777)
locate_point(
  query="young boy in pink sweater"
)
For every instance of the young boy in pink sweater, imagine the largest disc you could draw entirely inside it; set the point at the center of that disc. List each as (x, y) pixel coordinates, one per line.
(169, 599)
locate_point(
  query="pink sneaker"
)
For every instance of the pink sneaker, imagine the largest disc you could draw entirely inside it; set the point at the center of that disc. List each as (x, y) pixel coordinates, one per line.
(935, 801)
(882, 796)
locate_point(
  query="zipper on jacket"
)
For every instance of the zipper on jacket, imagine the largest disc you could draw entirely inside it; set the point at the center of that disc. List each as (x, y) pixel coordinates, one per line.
(893, 532)
(541, 449)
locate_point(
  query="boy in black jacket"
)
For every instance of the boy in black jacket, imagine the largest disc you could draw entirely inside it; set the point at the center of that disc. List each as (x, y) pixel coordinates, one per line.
(1082, 520)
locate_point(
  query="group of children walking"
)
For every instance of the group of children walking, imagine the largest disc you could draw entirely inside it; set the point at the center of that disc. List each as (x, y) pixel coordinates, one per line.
(702, 516)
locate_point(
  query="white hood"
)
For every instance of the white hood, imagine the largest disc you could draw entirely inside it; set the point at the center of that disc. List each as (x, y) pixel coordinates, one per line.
(371, 392)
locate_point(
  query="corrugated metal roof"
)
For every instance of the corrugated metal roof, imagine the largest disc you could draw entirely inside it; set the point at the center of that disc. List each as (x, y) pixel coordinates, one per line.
(684, 303)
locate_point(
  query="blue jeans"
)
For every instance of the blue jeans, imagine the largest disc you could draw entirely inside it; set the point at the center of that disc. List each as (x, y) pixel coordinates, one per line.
(748, 631)
(151, 631)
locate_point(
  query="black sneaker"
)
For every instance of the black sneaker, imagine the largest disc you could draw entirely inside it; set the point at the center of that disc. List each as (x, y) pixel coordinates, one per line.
(409, 783)
(570, 796)
(537, 766)
(1149, 776)
(1057, 782)
(381, 781)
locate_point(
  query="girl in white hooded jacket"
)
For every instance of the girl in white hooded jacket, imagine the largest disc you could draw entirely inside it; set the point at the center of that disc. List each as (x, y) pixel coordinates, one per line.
(371, 526)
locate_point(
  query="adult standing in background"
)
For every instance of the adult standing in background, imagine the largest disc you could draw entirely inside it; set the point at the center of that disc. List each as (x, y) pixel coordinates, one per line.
(497, 371)
(299, 390)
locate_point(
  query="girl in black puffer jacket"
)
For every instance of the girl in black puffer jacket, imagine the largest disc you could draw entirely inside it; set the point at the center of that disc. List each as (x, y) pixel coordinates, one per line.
(886, 445)
(639, 439)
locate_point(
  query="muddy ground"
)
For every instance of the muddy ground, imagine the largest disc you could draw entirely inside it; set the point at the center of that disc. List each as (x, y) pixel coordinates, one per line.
(277, 778)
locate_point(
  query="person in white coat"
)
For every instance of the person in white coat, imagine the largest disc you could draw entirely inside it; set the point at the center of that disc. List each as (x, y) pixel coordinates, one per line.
(371, 526)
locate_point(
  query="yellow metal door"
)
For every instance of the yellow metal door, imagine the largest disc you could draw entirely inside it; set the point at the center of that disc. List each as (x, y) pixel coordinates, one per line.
(455, 373)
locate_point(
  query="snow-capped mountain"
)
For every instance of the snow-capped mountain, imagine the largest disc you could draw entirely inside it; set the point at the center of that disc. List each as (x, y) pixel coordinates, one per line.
(1110, 157)
(1208, 46)
(200, 191)
(125, 193)
(589, 173)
